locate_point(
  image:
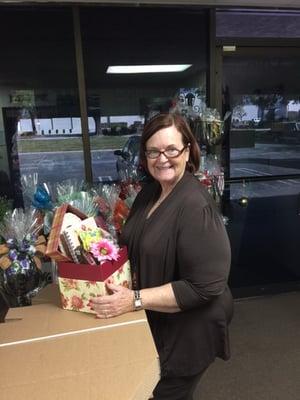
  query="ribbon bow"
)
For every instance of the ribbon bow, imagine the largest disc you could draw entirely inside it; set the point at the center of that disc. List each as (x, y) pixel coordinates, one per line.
(120, 214)
(10, 252)
(42, 199)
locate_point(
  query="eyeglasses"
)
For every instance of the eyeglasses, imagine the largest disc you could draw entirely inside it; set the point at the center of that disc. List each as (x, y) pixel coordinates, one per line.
(169, 153)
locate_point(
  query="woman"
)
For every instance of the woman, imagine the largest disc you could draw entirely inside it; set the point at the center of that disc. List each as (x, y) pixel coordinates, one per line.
(180, 256)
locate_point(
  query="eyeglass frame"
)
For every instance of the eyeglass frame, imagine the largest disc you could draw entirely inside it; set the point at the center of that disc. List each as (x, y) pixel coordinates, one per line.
(164, 151)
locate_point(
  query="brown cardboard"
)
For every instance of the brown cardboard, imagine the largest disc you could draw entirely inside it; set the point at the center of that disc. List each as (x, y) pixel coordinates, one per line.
(50, 354)
(53, 240)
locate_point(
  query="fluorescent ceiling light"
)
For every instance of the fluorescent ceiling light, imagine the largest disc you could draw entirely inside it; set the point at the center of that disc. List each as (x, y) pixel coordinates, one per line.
(145, 69)
(229, 48)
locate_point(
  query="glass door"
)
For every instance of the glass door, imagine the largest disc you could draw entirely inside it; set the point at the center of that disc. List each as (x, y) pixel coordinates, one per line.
(261, 88)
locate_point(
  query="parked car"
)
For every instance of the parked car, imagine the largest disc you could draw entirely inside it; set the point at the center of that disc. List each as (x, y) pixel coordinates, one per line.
(127, 163)
(285, 132)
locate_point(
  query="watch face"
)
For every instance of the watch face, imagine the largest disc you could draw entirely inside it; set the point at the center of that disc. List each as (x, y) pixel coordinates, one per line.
(138, 304)
(137, 300)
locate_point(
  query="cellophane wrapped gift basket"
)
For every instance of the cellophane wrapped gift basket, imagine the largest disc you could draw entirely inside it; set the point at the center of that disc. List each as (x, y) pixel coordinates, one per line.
(21, 254)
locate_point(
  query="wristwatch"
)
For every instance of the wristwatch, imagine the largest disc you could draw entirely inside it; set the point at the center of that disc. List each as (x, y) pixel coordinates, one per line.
(137, 302)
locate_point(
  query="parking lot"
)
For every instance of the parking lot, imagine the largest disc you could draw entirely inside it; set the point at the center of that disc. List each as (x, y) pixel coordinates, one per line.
(260, 160)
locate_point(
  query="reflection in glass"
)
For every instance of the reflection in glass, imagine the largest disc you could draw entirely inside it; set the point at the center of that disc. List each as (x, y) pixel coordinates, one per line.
(251, 190)
(38, 90)
(123, 102)
(255, 23)
(264, 232)
(263, 93)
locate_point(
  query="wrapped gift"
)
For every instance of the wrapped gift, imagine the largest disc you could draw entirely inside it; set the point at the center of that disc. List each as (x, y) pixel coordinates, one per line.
(21, 275)
(79, 282)
(53, 251)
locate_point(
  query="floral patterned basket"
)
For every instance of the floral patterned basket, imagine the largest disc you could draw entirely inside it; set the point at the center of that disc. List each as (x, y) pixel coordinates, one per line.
(79, 282)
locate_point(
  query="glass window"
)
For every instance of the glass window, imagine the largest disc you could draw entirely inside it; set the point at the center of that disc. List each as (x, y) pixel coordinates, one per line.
(40, 119)
(245, 23)
(152, 38)
(262, 89)
(263, 227)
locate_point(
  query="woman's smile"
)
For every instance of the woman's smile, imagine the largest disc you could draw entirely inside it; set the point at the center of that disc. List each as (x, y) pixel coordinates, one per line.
(167, 170)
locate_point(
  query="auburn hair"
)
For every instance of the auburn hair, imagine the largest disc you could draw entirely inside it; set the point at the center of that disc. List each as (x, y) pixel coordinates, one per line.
(165, 120)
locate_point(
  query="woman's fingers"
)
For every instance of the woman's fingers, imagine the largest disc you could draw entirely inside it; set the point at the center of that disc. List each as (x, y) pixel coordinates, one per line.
(119, 302)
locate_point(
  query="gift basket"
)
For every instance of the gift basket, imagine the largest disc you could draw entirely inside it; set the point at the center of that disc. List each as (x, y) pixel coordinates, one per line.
(87, 257)
(212, 176)
(209, 130)
(83, 241)
(21, 275)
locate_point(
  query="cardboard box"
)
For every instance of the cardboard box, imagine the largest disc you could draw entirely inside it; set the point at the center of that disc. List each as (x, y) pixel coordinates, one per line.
(79, 282)
(49, 354)
(52, 250)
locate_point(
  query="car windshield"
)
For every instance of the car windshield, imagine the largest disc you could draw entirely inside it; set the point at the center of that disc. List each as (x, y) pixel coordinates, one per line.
(135, 146)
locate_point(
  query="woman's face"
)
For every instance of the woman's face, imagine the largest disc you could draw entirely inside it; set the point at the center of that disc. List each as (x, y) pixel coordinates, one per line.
(167, 171)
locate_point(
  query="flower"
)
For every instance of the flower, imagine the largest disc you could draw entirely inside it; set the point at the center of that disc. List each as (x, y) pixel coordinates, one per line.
(70, 284)
(104, 250)
(76, 303)
(89, 236)
(88, 284)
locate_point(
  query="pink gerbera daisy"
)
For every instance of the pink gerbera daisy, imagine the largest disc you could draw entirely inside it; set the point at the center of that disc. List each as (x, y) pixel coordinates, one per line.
(104, 250)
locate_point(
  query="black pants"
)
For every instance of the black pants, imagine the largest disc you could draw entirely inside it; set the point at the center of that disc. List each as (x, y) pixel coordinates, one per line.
(179, 388)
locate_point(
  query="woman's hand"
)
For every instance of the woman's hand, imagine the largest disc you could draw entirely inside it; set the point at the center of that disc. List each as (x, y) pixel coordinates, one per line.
(119, 302)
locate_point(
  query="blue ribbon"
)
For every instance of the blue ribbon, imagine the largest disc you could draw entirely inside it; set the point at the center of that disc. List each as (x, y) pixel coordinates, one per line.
(41, 199)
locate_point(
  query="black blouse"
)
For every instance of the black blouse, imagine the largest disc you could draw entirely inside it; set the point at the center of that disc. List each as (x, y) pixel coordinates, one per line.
(183, 242)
